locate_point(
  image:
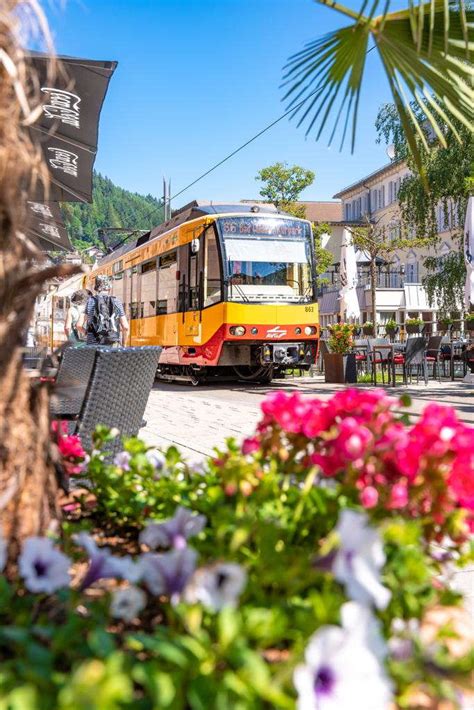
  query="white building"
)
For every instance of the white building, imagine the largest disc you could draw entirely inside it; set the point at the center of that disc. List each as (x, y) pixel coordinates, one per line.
(399, 293)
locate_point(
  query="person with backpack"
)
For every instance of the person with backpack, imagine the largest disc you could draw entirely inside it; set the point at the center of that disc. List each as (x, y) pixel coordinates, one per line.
(77, 305)
(104, 320)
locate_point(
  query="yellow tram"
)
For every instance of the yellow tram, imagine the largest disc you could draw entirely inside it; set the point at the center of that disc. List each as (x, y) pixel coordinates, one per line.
(224, 289)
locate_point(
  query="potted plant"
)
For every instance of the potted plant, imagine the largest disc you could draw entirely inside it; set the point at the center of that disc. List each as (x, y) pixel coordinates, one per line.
(391, 328)
(469, 320)
(444, 323)
(368, 328)
(414, 325)
(340, 362)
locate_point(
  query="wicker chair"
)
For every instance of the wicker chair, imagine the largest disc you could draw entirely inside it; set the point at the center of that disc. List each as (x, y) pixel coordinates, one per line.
(118, 392)
(71, 381)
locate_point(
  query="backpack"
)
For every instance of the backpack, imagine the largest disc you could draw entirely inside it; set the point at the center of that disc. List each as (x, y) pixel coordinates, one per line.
(103, 324)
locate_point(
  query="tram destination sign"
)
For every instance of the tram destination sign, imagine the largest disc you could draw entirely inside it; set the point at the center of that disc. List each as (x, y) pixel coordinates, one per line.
(263, 226)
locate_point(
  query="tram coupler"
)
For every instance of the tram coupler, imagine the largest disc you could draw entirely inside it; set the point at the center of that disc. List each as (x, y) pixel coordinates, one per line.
(287, 354)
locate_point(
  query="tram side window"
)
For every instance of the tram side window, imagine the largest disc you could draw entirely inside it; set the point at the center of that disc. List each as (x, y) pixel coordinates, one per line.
(148, 288)
(167, 284)
(118, 285)
(212, 286)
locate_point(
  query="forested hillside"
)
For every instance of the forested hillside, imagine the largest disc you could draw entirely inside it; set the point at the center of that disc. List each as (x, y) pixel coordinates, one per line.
(112, 207)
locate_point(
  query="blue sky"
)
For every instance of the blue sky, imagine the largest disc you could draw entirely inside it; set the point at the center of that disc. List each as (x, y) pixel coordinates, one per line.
(197, 78)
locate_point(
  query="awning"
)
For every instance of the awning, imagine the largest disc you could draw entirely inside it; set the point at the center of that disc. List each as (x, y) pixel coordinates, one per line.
(264, 250)
(68, 127)
(46, 227)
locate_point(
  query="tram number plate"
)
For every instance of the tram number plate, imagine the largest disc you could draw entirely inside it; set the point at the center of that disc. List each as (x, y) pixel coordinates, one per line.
(309, 309)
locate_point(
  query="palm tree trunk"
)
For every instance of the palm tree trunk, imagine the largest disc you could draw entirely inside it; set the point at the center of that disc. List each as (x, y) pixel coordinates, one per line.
(28, 488)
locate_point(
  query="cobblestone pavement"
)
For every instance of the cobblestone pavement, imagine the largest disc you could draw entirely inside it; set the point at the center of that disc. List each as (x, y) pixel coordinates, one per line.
(196, 419)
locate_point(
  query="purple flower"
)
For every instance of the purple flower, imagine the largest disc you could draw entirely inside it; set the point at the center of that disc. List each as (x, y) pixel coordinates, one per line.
(168, 573)
(103, 565)
(122, 460)
(42, 566)
(173, 532)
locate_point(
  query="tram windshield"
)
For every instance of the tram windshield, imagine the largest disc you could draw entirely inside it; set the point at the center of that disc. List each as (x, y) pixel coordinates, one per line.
(268, 259)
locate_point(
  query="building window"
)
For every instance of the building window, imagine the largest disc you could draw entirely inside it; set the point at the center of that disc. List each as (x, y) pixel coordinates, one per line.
(411, 271)
(348, 211)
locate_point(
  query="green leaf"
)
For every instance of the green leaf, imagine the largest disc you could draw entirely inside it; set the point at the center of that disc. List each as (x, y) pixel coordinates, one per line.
(423, 50)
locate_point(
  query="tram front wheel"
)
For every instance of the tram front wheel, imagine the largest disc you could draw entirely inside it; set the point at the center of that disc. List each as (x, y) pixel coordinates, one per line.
(263, 374)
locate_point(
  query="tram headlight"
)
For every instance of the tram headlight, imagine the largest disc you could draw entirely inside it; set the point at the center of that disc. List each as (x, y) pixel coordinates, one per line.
(237, 330)
(298, 330)
(254, 331)
(310, 330)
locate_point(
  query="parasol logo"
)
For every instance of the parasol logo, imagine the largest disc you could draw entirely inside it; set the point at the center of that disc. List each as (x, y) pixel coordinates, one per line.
(50, 229)
(64, 160)
(62, 105)
(38, 208)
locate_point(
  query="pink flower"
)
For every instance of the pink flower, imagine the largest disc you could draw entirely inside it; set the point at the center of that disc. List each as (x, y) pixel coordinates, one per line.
(250, 445)
(398, 496)
(369, 497)
(71, 447)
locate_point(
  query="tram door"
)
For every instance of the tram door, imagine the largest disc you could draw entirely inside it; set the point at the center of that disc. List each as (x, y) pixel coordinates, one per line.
(192, 290)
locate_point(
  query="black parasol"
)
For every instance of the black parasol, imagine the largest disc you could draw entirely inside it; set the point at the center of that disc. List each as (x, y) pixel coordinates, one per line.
(45, 226)
(69, 124)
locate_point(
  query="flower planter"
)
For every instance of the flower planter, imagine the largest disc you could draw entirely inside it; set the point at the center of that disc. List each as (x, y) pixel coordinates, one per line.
(444, 327)
(339, 368)
(391, 333)
(370, 330)
(414, 329)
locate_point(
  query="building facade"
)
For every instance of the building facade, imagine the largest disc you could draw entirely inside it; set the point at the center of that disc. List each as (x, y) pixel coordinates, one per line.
(399, 293)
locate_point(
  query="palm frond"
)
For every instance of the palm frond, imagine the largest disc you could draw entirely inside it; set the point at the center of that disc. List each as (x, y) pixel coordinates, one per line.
(426, 52)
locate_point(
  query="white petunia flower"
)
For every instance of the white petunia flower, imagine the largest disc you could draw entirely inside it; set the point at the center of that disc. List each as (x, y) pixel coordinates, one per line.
(42, 566)
(168, 573)
(156, 458)
(127, 603)
(341, 670)
(360, 559)
(103, 565)
(173, 532)
(3, 553)
(122, 460)
(216, 586)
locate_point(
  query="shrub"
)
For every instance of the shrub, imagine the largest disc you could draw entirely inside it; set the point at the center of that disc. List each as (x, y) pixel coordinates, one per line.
(315, 556)
(340, 338)
(414, 321)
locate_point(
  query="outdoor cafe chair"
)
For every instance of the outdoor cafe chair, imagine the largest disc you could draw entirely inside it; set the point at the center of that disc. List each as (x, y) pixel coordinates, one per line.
(413, 358)
(110, 386)
(71, 381)
(434, 354)
(360, 349)
(117, 393)
(377, 357)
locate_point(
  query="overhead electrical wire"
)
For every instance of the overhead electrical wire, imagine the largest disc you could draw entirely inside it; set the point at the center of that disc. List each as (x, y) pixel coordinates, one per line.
(251, 140)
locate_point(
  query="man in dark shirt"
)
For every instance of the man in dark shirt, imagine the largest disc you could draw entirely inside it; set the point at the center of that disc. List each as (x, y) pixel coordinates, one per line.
(103, 287)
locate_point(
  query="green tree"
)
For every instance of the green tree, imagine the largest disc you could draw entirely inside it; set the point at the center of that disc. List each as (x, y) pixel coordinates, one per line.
(283, 187)
(448, 172)
(425, 53)
(112, 206)
(283, 184)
